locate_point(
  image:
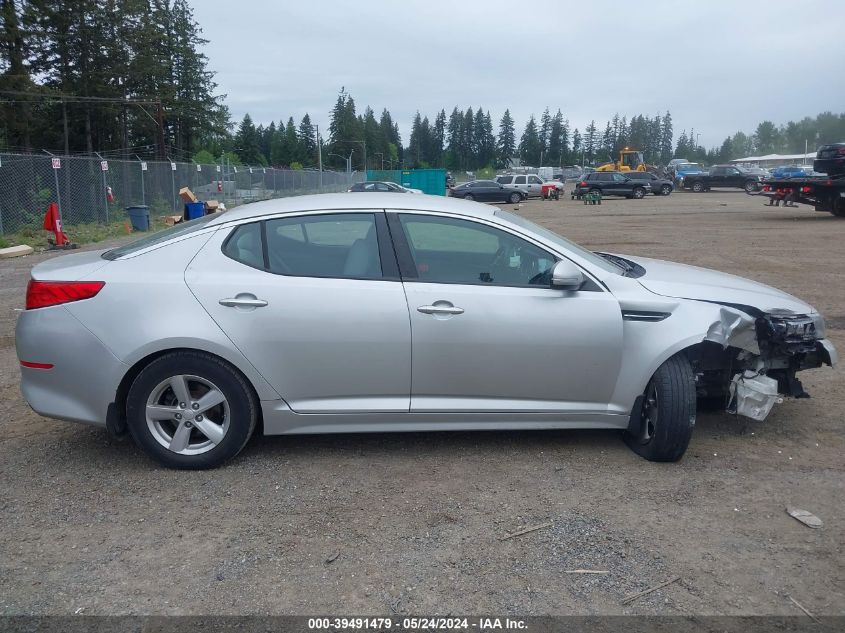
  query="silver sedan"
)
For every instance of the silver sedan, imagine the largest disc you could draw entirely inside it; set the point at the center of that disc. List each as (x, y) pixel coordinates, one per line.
(388, 312)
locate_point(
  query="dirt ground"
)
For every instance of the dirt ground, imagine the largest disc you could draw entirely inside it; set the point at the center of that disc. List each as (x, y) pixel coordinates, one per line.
(414, 522)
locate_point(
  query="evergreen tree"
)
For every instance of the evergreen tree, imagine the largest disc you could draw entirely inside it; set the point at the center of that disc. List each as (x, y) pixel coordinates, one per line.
(248, 143)
(506, 146)
(545, 131)
(590, 141)
(529, 144)
(307, 146)
(439, 138)
(555, 149)
(577, 148)
(666, 138)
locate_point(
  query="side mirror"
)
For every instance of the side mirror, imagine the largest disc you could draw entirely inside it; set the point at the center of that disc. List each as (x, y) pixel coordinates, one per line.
(567, 276)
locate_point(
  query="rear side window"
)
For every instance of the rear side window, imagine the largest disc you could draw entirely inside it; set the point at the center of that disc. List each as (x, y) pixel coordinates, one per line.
(519, 180)
(338, 245)
(244, 245)
(333, 245)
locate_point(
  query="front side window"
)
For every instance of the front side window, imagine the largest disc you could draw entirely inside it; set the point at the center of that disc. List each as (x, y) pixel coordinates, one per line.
(618, 178)
(504, 180)
(450, 250)
(534, 180)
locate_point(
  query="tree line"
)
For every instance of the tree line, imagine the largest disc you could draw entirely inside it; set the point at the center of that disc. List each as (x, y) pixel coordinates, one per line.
(127, 77)
(103, 75)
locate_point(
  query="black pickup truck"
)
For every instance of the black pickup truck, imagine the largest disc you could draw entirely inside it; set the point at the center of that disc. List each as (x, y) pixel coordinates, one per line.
(824, 193)
(722, 176)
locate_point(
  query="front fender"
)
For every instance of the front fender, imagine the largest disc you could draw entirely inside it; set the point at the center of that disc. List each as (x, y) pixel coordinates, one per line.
(649, 344)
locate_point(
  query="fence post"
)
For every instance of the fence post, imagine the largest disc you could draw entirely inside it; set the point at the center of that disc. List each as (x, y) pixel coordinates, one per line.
(173, 186)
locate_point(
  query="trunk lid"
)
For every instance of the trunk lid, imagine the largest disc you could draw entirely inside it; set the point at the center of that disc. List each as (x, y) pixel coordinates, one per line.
(70, 267)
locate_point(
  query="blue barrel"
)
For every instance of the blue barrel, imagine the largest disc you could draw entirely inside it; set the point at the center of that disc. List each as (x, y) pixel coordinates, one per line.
(194, 210)
(140, 217)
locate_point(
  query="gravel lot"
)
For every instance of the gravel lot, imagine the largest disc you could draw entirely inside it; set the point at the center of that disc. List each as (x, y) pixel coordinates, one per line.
(89, 525)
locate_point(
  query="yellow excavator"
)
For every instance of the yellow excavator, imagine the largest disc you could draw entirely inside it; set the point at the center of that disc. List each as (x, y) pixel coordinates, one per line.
(629, 160)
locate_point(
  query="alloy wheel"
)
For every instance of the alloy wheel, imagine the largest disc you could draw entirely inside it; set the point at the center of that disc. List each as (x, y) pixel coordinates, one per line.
(188, 415)
(648, 416)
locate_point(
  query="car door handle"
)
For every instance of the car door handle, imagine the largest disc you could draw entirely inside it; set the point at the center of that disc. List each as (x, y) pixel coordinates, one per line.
(440, 310)
(243, 302)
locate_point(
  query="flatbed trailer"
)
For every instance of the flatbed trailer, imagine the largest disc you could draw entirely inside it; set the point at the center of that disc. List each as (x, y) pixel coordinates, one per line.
(824, 193)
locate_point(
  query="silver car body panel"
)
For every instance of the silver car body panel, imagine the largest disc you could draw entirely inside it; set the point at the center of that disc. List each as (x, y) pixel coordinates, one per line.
(330, 355)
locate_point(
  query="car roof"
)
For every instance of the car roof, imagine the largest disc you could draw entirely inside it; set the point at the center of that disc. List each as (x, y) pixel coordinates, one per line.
(355, 202)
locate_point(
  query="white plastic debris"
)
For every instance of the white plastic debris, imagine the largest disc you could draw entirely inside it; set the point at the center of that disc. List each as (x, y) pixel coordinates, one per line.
(807, 518)
(755, 395)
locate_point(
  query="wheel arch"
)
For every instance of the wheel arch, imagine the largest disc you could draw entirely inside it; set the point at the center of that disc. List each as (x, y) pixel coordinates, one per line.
(116, 418)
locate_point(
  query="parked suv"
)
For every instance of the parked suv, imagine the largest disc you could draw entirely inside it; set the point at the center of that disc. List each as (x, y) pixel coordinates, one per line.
(612, 183)
(659, 186)
(530, 184)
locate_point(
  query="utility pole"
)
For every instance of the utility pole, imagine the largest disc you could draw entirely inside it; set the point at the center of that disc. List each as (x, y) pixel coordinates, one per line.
(160, 122)
(319, 155)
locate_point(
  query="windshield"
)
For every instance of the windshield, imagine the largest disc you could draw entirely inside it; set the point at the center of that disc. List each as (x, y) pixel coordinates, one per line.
(561, 242)
(178, 230)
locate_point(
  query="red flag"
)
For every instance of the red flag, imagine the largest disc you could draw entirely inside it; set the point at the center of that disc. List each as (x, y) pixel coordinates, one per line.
(52, 222)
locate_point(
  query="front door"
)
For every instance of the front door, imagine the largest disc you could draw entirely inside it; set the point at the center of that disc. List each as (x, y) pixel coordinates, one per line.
(535, 186)
(490, 334)
(315, 303)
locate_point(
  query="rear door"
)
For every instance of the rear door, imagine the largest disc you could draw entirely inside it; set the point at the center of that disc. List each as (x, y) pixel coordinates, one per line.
(315, 303)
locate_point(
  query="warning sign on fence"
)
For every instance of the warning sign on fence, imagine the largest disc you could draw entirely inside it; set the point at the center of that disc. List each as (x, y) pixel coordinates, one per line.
(104, 165)
(143, 166)
(57, 163)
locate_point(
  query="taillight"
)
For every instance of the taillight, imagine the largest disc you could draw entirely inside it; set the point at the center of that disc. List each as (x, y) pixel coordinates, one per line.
(841, 151)
(583, 183)
(41, 294)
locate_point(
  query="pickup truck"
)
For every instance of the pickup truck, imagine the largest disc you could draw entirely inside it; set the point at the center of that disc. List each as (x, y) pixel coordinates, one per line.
(722, 176)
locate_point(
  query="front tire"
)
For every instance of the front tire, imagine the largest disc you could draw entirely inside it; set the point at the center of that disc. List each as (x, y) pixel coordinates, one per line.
(469, 197)
(667, 417)
(515, 198)
(665, 190)
(190, 410)
(751, 186)
(698, 187)
(638, 193)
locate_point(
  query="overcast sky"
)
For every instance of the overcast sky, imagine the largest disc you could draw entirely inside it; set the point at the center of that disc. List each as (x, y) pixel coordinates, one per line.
(717, 66)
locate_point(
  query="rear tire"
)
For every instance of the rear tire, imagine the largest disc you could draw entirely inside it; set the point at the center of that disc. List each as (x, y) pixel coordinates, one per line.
(168, 418)
(838, 208)
(667, 417)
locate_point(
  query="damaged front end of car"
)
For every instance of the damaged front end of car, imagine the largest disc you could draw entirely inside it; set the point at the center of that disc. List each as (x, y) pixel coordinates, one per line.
(749, 358)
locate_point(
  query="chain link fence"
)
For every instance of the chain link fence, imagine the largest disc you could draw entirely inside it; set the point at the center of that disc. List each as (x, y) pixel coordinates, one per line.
(95, 191)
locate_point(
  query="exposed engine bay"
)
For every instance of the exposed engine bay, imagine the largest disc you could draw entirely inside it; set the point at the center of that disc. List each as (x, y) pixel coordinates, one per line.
(749, 358)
